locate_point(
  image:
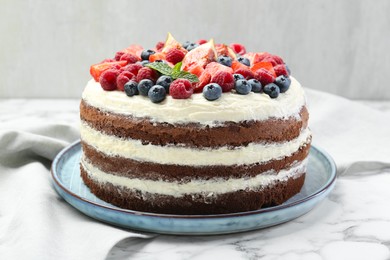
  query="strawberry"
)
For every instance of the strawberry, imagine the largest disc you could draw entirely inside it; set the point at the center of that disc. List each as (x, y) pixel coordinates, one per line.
(204, 79)
(97, 69)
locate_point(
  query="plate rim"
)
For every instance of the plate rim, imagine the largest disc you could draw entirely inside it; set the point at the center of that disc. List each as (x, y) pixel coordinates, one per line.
(320, 191)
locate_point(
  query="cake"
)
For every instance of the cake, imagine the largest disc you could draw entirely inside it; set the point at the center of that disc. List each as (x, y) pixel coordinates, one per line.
(194, 128)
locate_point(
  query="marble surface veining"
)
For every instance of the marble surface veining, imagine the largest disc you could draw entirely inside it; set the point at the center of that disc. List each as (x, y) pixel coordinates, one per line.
(357, 227)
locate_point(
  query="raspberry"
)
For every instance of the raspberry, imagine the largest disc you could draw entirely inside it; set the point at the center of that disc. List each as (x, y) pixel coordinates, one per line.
(130, 58)
(174, 55)
(204, 79)
(123, 78)
(281, 70)
(133, 68)
(270, 60)
(277, 59)
(224, 79)
(108, 79)
(247, 73)
(201, 41)
(147, 73)
(264, 76)
(118, 55)
(107, 60)
(238, 48)
(181, 89)
(159, 46)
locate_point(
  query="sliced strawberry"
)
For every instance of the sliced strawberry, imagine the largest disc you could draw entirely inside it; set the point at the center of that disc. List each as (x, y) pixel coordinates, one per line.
(97, 69)
(263, 65)
(196, 70)
(238, 65)
(204, 79)
(157, 56)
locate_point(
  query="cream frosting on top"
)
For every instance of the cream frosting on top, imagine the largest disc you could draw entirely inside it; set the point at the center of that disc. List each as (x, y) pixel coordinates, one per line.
(196, 109)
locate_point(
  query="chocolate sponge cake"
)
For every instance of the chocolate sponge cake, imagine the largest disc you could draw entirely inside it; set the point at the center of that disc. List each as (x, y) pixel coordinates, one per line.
(198, 143)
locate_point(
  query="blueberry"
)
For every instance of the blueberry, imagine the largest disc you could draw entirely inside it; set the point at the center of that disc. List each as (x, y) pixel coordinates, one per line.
(272, 90)
(131, 88)
(212, 91)
(283, 83)
(157, 93)
(256, 85)
(242, 87)
(164, 81)
(244, 61)
(144, 86)
(185, 44)
(144, 62)
(288, 69)
(237, 77)
(192, 46)
(225, 60)
(146, 53)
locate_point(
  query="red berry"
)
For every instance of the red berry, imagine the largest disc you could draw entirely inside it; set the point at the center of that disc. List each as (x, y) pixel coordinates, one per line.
(238, 48)
(247, 73)
(108, 79)
(118, 55)
(147, 73)
(107, 60)
(130, 58)
(281, 70)
(224, 79)
(264, 76)
(204, 79)
(181, 89)
(133, 68)
(278, 59)
(159, 46)
(201, 41)
(270, 60)
(123, 78)
(97, 69)
(174, 55)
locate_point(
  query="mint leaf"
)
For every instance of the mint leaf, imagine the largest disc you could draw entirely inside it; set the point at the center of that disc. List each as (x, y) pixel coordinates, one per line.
(160, 67)
(184, 75)
(177, 66)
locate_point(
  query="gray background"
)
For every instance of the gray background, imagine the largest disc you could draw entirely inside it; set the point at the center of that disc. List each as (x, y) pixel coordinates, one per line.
(336, 46)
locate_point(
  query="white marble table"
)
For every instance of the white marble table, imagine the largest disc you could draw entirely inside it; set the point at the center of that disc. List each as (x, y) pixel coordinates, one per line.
(352, 223)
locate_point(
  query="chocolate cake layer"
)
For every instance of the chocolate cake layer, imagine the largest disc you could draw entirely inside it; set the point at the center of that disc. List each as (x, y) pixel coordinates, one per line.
(194, 135)
(240, 201)
(169, 172)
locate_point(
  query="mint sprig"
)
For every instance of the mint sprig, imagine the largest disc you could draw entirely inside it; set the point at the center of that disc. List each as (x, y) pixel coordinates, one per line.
(174, 72)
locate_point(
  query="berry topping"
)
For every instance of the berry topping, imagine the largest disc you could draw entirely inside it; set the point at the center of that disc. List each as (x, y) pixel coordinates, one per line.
(164, 81)
(201, 41)
(181, 89)
(131, 88)
(244, 61)
(246, 73)
(192, 46)
(130, 58)
(281, 70)
(146, 53)
(123, 78)
(214, 67)
(144, 86)
(225, 60)
(238, 48)
(237, 77)
(160, 46)
(157, 93)
(256, 85)
(224, 79)
(283, 83)
(108, 79)
(133, 68)
(264, 76)
(272, 90)
(204, 79)
(243, 87)
(157, 56)
(118, 55)
(174, 55)
(263, 65)
(147, 73)
(97, 69)
(277, 59)
(212, 91)
(185, 44)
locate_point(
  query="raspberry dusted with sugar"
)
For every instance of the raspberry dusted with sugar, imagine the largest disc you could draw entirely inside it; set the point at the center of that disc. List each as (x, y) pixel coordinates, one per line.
(181, 89)
(281, 70)
(108, 79)
(246, 73)
(133, 68)
(160, 46)
(147, 73)
(130, 58)
(224, 79)
(264, 76)
(123, 78)
(174, 55)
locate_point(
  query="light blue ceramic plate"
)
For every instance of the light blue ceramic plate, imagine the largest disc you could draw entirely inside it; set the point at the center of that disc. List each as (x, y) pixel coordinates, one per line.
(320, 180)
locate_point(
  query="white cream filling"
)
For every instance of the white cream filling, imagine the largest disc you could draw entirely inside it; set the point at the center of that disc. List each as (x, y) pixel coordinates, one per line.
(230, 107)
(206, 187)
(169, 154)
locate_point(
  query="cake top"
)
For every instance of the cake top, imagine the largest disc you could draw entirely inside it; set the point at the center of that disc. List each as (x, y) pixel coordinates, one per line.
(180, 70)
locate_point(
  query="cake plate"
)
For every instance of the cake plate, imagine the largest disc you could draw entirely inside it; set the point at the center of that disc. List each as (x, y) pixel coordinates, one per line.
(320, 180)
